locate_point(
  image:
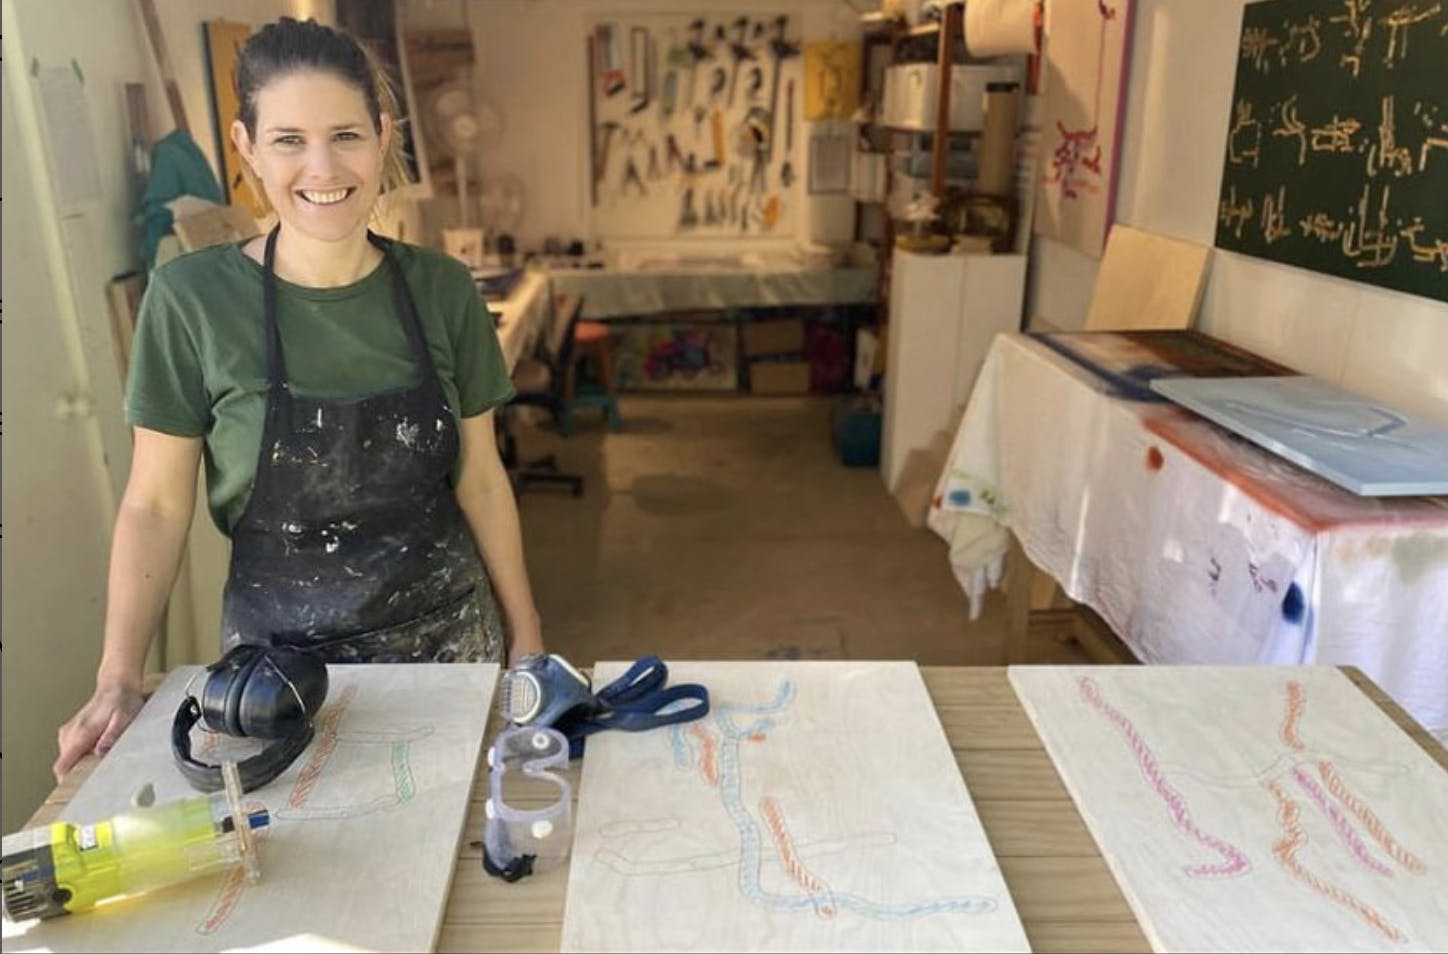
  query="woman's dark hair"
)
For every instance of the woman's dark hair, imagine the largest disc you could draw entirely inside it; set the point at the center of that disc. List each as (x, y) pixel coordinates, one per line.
(289, 46)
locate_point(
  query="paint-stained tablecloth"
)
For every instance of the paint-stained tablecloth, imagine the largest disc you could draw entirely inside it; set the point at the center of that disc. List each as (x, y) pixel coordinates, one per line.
(1194, 545)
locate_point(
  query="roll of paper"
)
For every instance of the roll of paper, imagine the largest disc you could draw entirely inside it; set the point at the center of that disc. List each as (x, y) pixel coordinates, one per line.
(996, 27)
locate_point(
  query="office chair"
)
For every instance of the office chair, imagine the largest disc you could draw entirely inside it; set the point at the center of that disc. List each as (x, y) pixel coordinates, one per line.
(539, 382)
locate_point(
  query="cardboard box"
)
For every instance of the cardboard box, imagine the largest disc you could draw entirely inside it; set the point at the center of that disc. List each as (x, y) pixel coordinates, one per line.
(781, 336)
(919, 476)
(779, 377)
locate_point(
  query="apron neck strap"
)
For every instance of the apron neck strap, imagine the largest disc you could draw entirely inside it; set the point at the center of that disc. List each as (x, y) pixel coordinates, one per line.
(402, 301)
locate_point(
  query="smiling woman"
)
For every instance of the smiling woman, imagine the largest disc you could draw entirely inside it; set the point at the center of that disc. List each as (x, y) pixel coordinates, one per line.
(340, 386)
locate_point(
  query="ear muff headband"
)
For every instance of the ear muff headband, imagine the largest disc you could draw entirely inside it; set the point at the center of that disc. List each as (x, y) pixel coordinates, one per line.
(255, 771)
(258, 692)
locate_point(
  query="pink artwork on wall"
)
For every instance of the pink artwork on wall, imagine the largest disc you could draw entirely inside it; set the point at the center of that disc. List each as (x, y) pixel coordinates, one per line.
(1088, 46)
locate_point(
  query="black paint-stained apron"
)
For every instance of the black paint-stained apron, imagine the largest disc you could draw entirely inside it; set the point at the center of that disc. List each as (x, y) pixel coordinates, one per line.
(353, 543)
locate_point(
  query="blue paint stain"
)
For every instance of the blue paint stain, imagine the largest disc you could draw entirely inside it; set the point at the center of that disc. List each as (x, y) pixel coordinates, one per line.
(1293, 604)
(960, 498)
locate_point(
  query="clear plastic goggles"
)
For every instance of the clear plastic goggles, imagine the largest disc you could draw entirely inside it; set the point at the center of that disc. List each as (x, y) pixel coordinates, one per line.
(530, 805)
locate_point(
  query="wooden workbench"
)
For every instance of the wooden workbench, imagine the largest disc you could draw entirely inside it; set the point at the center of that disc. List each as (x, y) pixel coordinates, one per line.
(1066, 896)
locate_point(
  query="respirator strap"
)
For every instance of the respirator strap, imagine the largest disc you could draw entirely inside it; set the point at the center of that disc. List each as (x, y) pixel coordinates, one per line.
(635, 702)
(255, 771)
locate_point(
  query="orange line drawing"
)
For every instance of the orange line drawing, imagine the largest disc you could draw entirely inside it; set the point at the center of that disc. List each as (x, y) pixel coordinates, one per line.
(1286, 851)
(226, 899)
(798, 873)
(1368, 820)
(322, 750)
(1296, 702)
(229, 894)
(708, 754)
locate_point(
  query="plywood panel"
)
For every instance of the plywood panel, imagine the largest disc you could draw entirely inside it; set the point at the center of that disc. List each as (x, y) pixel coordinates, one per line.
(817, 807)
(1147, 281)
(1251, 808)
(361, 854)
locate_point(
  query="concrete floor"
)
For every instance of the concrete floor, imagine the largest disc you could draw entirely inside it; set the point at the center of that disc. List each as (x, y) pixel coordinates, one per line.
(725, 528)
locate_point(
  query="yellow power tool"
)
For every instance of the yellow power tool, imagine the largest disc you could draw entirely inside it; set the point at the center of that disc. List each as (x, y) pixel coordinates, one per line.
(66, 868)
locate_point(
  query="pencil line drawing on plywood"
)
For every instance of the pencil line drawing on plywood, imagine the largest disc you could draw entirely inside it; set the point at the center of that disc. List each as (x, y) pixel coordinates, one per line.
(1273, 779)
(394, 768)
(714, 752)
(816, 807)
(1286, 811)
(401, 746)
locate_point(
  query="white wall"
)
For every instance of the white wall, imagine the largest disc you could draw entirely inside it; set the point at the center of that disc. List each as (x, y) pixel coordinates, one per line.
(1386, 344)
(532, 67)
(63, 476)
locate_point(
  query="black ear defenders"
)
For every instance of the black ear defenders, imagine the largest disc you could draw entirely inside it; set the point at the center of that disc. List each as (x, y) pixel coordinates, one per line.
(259, 692)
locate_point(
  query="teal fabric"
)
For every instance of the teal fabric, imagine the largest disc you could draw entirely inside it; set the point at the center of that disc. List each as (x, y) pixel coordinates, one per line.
(178, 167)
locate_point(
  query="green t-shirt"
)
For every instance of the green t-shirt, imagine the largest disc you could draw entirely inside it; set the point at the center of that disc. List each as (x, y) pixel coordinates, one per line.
(198, 361)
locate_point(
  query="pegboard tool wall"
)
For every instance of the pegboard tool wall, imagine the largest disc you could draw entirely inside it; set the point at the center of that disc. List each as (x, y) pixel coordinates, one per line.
(694, 124)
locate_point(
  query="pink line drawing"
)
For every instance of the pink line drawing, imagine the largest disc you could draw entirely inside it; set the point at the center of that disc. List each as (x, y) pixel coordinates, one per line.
(1078, 148)
(1286, 851)
(1339, 823)
(1344, 810)
(1236, 862)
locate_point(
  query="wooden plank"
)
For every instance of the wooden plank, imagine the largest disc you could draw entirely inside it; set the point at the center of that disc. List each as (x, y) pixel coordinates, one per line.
(1020, 580)
(1101, 643)
(1021, 774)
(1035, 829)
(487, 938)
(123, 294)
(1088, 937)
(163, 63)
(987, 727)
(1407, 723)
(1064, 889)
(972, 685)
(479, 898)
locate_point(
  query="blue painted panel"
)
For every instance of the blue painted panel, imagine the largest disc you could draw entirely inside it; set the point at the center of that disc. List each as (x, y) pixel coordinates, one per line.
(1366, 447)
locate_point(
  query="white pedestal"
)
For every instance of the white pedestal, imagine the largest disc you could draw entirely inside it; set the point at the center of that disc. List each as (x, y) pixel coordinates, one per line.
(944, 311)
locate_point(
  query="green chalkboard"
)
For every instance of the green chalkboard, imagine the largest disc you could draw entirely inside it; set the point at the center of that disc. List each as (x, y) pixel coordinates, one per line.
(1337, 143)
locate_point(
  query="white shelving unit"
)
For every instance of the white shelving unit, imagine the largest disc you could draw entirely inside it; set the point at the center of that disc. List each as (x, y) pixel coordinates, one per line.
(944, 311)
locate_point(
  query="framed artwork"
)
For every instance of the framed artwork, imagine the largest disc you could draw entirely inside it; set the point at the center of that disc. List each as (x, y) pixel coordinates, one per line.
(375, 23)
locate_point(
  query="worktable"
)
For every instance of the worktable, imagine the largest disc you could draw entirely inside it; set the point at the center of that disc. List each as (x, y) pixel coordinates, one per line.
(1196, 546)
(635, 286)
(1062, 889)
(522, 316)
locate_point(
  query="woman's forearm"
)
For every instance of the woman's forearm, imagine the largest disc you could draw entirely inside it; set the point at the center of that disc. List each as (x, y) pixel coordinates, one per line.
(492, 515)
(145, 558)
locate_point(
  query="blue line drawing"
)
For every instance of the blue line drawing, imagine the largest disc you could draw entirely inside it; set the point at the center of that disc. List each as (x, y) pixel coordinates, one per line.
(818, 897)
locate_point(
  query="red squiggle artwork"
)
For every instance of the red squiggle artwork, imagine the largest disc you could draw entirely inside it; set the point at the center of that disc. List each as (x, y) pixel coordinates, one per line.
(1286, 851)
(1296, 702)
(1300, 766)
(708, 754)
(798, 873)
(1235, 861)
(1368, 820)
(1339, 822)
(322, 749)
(229, 894)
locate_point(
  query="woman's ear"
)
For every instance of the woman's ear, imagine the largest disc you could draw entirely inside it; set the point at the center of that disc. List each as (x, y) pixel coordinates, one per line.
(386, 132)
(243, 144)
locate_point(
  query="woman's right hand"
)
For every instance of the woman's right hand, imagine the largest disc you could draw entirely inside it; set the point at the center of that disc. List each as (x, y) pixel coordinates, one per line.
(97, 726)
